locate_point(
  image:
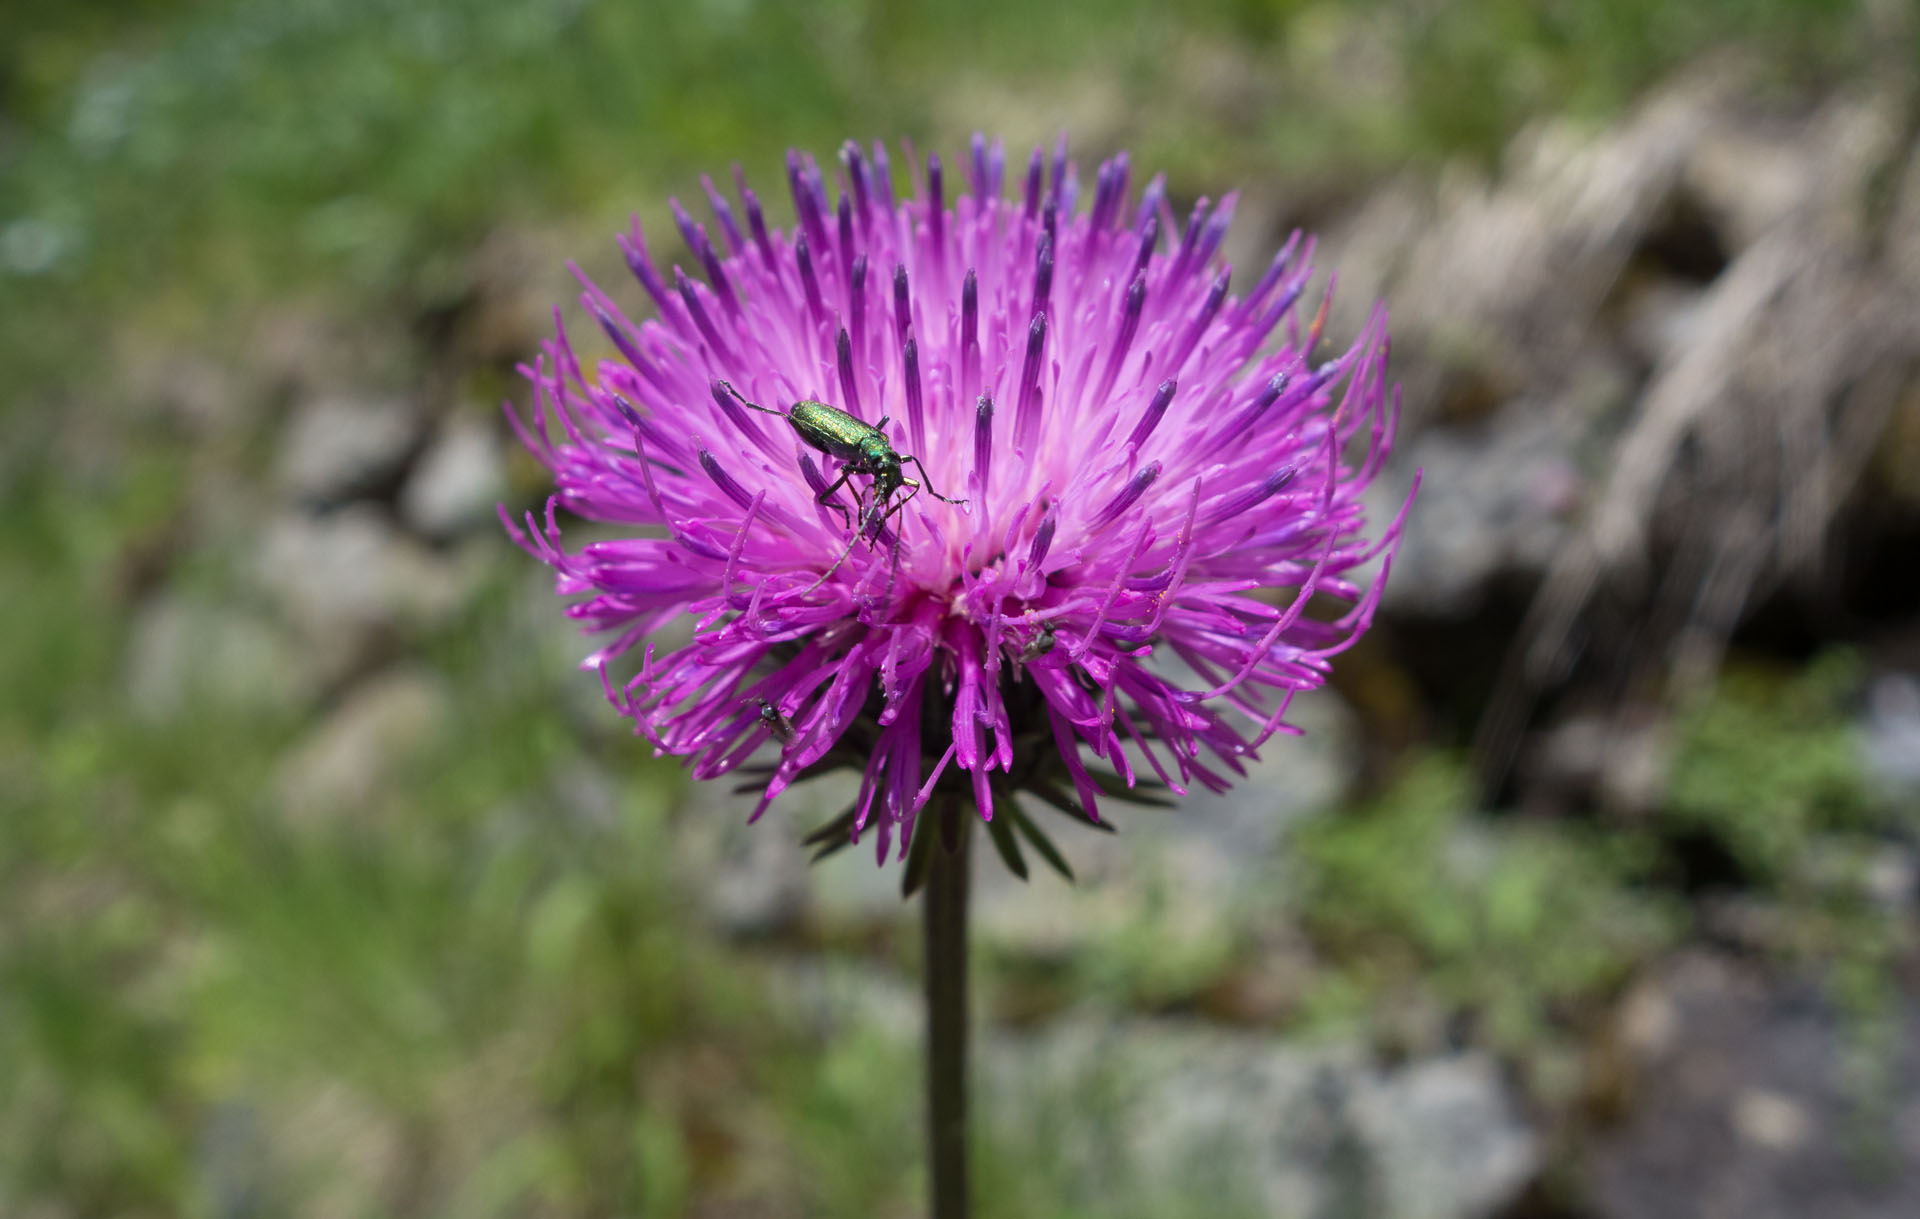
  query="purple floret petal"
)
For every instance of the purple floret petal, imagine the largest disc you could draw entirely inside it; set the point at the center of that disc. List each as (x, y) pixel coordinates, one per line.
(1126, 573)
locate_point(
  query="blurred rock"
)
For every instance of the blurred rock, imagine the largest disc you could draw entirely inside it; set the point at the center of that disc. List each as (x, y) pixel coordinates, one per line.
(1495, 498)
(198, 395)
(1756, 167)
(827, 998)
(1748, 178)
(1853, 868)
(348, 578)
(1445, 1136)
(1159, 1111)
(1890, 735)
(1759, 1099)
(1774, 1122)
(1540, 311)
(457, 481)
(1624, 760)
(182, 649)
(1213, 850)
(365, 745)
(1892, 878)
(553, 644)
(1660, 316)
(1193, 866)
(338, 448)
(230, 1163)
(756, 885)
(755, 878)
(1295, 776)
(587, 794)
(1495, 285)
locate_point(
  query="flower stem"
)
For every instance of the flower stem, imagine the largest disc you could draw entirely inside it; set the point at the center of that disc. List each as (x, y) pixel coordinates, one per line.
(945, 912)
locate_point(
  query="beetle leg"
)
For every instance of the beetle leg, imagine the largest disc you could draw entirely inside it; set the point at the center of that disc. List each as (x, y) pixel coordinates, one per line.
(929, 482)
(826, 497)
(903, 500)
(867, 517)
(873, 528)
(874, 518)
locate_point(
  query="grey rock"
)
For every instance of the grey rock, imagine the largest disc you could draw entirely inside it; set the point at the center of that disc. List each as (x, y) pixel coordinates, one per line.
(231, 1161)
(1625, 761)
(758, 883)
(827, 997)
(1216, 1122)
(757, 880)
(184, 649)
(346, 578)
(1890, 735)
(1496, 284)
(1892, 878)
(553, 645)
(1661, 316)
(1190, 873)
(1496, 497)
(1446, 1137)
(853, 888)
(385, 724)
(336, 448)
(1295, 776)
(1758, 1098)
(1852, 867)
(202, 397)
(456, 482)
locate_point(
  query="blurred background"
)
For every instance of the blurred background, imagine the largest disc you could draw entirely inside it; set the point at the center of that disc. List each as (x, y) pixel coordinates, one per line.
(329, 888)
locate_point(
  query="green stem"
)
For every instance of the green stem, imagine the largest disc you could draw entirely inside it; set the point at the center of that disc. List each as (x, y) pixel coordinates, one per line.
(945, 911)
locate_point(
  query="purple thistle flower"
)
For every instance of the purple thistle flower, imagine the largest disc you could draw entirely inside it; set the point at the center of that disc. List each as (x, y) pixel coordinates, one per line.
(1157, 478)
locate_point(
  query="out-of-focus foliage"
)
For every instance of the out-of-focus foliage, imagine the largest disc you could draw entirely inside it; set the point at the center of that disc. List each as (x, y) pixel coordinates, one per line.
(455, 961)
(1512, 922)
(1769, 762)
(479, 994)
(211, 153)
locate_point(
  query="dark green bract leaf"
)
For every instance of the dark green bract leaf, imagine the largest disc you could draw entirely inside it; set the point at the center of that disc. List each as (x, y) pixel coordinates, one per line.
(919, 853)
(1041, 843)
(1005, 843)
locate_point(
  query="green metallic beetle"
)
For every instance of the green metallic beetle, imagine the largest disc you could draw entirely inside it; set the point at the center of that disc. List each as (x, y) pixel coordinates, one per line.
(861, 449)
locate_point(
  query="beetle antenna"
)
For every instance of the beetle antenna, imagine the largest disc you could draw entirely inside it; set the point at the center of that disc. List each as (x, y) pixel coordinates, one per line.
(728, 386)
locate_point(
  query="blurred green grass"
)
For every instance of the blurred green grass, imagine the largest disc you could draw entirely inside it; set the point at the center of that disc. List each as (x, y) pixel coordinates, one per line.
(172, 164)
(462, 1002)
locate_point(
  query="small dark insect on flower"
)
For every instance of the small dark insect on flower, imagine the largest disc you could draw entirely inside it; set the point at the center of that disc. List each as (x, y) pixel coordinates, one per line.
(775, 721)
(1040, 644)
(1159, 477)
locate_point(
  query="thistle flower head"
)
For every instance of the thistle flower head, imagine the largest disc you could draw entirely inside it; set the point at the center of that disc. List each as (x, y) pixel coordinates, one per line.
(1119, 482)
